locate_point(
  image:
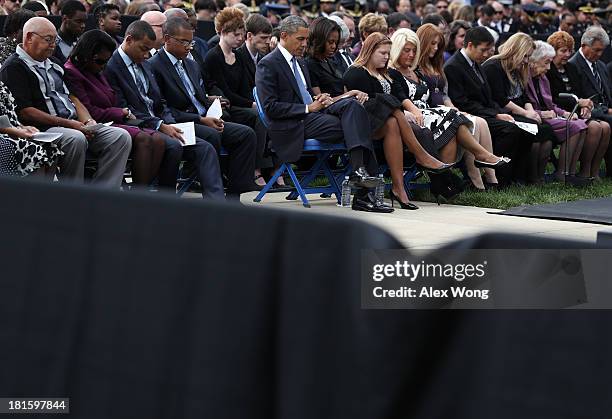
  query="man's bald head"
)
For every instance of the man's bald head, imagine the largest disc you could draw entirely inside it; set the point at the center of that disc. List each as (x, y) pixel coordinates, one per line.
(39, 38)
(38, 24)
(156, 20)
(174, 13)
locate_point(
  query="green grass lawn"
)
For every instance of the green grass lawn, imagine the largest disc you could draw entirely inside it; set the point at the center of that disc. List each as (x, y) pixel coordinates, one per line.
(514, 196)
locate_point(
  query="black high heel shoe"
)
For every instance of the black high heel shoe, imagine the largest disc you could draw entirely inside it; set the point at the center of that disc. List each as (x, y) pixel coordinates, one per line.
(445, 167)
(446, 186)
(403, 205)
(499, 163)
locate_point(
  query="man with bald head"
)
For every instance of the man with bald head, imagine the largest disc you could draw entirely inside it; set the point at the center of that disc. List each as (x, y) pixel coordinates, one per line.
(156, 20)
(43, 100)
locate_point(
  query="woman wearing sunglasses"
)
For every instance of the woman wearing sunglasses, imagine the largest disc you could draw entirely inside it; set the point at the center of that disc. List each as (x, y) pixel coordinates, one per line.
(86, 81)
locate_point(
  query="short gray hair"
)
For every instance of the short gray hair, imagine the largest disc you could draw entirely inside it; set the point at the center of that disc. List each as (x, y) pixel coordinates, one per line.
(542, 50)
(344, 30)
(291, 24)
(595, 33)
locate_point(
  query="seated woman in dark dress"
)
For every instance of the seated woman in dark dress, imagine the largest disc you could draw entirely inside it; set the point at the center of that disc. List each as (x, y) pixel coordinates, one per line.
(430, 69)
(228, 71)
(564, 78)
(508, 72)
(450, 128)
(369, 74)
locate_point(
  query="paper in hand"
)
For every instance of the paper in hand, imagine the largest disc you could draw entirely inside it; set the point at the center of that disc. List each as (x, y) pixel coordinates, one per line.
(215, 110)
(188, 132)
(530, 128)
(46, 137)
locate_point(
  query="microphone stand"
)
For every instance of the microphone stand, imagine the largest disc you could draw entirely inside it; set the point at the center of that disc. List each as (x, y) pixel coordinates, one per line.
(567, 125)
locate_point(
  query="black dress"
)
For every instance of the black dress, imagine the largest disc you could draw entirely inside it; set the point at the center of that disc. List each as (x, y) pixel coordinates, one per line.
(565, 81)
(441, 120)
(504, 91)
(384, 100)
(230, 78)
(325, 75)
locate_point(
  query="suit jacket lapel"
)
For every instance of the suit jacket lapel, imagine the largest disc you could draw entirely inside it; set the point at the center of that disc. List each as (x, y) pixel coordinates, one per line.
(305, 73)
(173, 73)
(484, 88)
(130, 79)
(246, 55)
(587, 69)
(194, 76)
(285, 68)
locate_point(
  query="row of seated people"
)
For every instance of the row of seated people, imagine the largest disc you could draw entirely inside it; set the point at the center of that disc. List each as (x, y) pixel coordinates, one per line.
(438, 130)
(102, 84)
(511, 86)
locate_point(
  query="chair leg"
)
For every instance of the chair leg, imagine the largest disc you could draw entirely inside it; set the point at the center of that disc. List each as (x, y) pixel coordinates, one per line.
(282, 169)
(298, 187)
(312, 173)
(332, 181)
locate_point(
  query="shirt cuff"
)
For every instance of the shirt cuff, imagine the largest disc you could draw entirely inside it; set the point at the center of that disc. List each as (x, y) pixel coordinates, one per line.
(158, 124)
(306, 109)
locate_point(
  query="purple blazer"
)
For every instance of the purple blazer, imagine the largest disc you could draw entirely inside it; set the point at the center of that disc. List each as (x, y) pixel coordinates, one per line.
(558, 125)
(96, 95)
(546, 95)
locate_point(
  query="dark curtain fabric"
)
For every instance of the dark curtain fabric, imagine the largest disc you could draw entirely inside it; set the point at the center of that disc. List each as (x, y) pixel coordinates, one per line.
(137, 306)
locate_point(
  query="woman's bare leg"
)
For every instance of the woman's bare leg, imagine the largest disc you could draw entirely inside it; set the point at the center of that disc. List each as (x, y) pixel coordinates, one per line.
(422, 157)
(394, 154)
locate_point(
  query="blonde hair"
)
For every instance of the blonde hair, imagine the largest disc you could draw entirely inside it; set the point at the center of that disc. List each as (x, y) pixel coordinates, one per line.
(370, 45)
(399, 39)
(371, 23)
(512, 54)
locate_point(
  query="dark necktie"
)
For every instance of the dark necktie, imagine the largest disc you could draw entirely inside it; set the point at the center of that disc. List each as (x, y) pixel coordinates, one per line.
(478, 73)
(600, 86)
(347, 58)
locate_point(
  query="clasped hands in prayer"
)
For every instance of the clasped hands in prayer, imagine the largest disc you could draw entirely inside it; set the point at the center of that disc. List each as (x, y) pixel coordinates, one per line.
(324, 100)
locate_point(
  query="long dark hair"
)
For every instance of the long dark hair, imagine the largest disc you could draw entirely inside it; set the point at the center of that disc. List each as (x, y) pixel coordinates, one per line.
(91, 43)
(320, 29)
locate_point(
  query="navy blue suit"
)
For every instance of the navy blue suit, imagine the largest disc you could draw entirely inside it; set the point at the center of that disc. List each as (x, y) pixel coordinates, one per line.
(239, 140)
(290, 124)
(201, 155)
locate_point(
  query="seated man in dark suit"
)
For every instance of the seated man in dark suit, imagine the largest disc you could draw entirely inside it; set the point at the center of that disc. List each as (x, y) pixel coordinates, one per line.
(74, 18)
(470, 91)
(181, 84)
(132, 79)
(282, 85)
(594, 81)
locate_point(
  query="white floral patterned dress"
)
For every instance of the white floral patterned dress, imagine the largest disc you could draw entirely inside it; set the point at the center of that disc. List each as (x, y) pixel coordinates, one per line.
(21, 157)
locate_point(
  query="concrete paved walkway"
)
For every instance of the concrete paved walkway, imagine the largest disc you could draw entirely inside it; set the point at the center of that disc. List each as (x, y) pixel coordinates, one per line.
(433, 226)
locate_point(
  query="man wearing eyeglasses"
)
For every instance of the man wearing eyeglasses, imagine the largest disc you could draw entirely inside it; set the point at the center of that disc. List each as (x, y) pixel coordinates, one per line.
(74, 17)
(43, 100)
(132, 79)
(182, 86)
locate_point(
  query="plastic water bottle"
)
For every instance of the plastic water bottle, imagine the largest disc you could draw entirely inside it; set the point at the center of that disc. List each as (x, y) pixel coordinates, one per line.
(345, 197)
(380, 189)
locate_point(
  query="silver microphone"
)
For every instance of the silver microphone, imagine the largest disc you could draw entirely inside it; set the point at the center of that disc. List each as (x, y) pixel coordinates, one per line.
(569, 95)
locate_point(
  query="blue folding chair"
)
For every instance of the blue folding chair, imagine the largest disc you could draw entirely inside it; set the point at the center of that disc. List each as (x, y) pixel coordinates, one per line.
(322, 151)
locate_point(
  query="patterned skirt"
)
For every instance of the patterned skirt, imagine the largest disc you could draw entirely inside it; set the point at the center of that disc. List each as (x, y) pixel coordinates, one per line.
(28, 156)
(444, 123)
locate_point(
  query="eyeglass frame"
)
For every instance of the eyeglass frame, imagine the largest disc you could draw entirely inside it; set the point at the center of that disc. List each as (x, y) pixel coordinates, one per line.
(185, 44)
(53, 41)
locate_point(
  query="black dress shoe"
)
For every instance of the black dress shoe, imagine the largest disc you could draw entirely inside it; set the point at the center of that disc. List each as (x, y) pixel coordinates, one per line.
(360, 178)
(578, 181)
(501, 162)
(445, 167)
(368, 203)
(403, 205)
